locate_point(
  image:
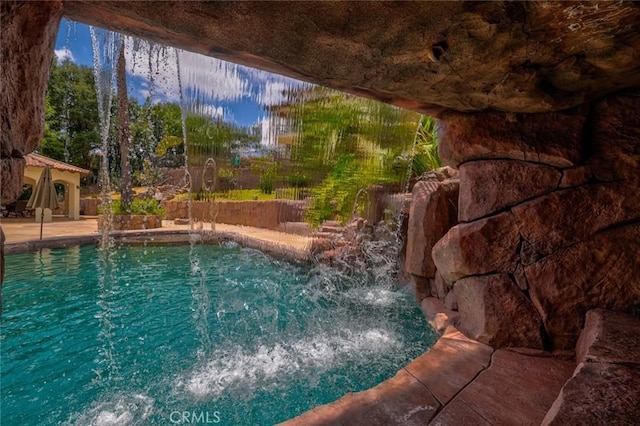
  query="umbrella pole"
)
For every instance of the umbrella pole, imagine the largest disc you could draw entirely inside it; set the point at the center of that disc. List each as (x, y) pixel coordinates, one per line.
(41, 222)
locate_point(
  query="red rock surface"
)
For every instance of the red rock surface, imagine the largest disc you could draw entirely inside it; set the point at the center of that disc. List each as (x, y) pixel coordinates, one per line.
(516, 389)
(484, 246)
(598, 394)
(616, 139)
(569, 216)
(28, 35)
(605, 388)
(490, 186)
(494, 311)
(601, 272)
(421, 287)
(438, 316)
(434, 210)
(575, 176)
(609, 336)
(552, 138)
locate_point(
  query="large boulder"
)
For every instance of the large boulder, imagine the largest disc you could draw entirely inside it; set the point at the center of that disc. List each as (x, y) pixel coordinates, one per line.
(554, 138)
(616, 139)
(598, 394)
(569, 216)
(609, 336)
(489, 186)
(601, 272)
(605, 388)
(494, 311)
(433, 211)
(481, 247)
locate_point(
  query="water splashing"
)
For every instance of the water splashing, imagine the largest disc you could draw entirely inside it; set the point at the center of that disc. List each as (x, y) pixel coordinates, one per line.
(106, 45)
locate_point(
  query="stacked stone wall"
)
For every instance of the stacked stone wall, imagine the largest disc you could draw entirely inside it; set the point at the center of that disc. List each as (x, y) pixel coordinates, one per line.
(549, 221)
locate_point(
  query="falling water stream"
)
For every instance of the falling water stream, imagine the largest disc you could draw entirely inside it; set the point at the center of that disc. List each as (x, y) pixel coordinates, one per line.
(222, 330)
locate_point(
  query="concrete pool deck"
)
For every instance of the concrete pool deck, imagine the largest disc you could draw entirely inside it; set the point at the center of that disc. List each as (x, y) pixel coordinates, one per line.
(23, 234)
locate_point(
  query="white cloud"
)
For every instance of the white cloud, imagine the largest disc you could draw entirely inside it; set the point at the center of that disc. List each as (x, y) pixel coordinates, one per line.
(205, 81)
(63, 54)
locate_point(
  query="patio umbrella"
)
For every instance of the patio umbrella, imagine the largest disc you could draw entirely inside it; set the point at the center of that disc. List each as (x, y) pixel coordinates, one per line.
(44, 195)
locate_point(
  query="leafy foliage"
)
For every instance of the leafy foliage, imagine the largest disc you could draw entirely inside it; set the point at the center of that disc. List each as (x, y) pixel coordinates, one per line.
(349, 144)
(426, 152)
(335, 197)
(141, 206)
(71, 115)
(267, 169)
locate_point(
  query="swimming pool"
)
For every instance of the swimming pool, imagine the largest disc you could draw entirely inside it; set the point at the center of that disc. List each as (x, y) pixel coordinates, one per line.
(182, 335)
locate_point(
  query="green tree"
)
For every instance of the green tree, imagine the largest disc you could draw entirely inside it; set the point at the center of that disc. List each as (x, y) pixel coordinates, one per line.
(348, 144)
(72, 114)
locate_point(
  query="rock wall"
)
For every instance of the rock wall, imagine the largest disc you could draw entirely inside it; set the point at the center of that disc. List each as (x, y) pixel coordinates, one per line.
(549, 218)
(433, 211)
(29, 32)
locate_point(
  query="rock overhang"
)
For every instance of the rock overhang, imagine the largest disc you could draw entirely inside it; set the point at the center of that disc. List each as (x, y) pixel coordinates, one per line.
(431, 57)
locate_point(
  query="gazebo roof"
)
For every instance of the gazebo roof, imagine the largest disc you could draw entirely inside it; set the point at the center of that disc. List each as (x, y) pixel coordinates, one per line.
(37, 160)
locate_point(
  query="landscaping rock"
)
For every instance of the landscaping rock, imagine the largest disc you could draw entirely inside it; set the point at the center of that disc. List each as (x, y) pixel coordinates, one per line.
(438, 317)
(601, 272)
(450, 301)
(484, 246)
(609, 336)
(553, 138)
(616, 139)
(575, 176)
(598, 394)
(569, 216)
(495, 312)
(489, 186)
(433, 211)
(29, 32)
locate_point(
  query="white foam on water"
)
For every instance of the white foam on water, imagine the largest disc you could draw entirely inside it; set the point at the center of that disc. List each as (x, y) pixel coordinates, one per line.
(119, 410)
(376, 296)
(248, 371)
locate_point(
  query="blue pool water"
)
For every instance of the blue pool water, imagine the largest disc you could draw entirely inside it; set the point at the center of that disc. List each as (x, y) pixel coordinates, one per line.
(179, 335)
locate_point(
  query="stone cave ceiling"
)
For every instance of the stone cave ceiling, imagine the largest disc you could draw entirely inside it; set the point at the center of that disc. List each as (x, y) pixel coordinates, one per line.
(431, 57)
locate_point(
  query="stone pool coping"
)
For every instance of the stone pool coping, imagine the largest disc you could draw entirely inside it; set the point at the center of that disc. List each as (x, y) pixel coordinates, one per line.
(22, 235)
(458, 381)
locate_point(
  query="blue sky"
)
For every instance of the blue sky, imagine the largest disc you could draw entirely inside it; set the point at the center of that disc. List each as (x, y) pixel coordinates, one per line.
(234, 92)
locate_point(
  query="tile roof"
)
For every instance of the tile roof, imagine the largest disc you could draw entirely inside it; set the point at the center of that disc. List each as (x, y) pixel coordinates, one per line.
(37, 160)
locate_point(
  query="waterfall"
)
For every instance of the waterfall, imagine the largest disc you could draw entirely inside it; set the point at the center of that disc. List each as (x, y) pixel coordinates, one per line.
(106, 45)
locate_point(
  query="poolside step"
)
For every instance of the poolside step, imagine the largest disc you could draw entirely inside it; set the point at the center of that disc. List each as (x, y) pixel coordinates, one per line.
(330, 229)
(327, 235)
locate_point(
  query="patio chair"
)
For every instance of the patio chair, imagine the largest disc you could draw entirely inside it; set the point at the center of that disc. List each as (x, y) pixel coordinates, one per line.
(18, 209)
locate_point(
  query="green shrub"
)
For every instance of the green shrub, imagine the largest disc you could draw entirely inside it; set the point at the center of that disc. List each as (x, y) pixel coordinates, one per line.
(336, 196)
(146, 206)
